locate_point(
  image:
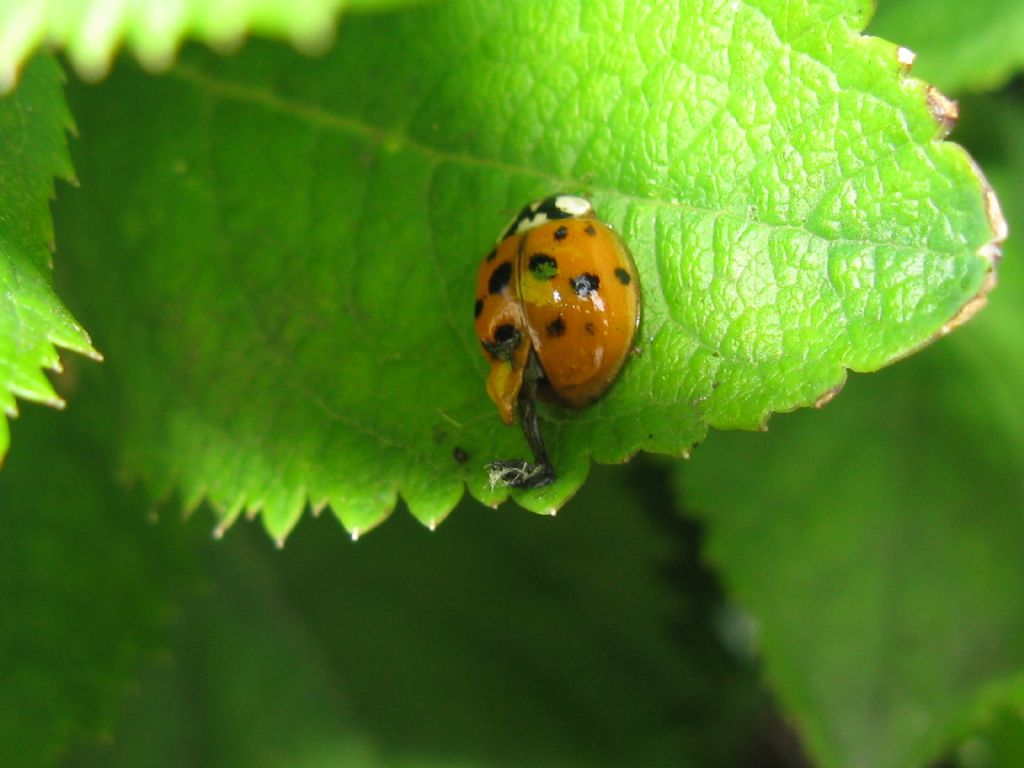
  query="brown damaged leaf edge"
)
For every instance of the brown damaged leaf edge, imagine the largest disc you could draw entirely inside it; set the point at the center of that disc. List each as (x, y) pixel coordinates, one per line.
(991, 251)
(945, 111)
(829, 394)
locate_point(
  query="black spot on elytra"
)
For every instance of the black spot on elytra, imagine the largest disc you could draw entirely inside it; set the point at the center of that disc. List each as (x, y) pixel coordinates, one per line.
(585, 284)
(500, 277)
(460, 455)
(505, 333)
(589, 328)
(543, 267)
(478, 307)
(556, 327)
(492, 254)
(561, 233)
(506, 339)
(623, 276)
(589, 229)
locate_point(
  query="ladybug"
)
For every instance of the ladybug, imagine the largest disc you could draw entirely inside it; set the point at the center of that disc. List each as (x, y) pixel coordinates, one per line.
(557, 307)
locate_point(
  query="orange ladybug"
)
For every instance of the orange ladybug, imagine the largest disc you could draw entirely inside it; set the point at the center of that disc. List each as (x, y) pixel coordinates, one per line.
(557, 307)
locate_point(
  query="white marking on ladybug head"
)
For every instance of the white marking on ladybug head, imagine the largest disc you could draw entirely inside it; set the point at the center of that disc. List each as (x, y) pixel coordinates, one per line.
(573, 206)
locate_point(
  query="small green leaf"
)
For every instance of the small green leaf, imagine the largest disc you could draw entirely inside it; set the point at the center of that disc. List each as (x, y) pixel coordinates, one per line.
(33, 322)
(959, 45)
(288, 279)
(91, 31)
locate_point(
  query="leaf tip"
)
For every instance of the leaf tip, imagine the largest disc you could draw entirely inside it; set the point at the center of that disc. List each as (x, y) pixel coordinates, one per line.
(44, 395)
(433, 522)
(92, 66)
(158, 58)
(313, 37)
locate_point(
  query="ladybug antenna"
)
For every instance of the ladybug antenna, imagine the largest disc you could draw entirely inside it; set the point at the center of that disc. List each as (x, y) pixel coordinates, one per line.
(518, 473)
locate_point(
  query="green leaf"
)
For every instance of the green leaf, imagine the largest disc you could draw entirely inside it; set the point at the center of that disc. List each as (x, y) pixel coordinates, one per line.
(877, 543)
(33, 322)
(960, 46)
(287, 280)
(498, 640)
(91, 31)
(86, 584)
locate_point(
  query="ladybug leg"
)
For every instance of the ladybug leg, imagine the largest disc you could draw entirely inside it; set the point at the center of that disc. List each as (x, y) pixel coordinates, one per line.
(519, 473)
(531, 428)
